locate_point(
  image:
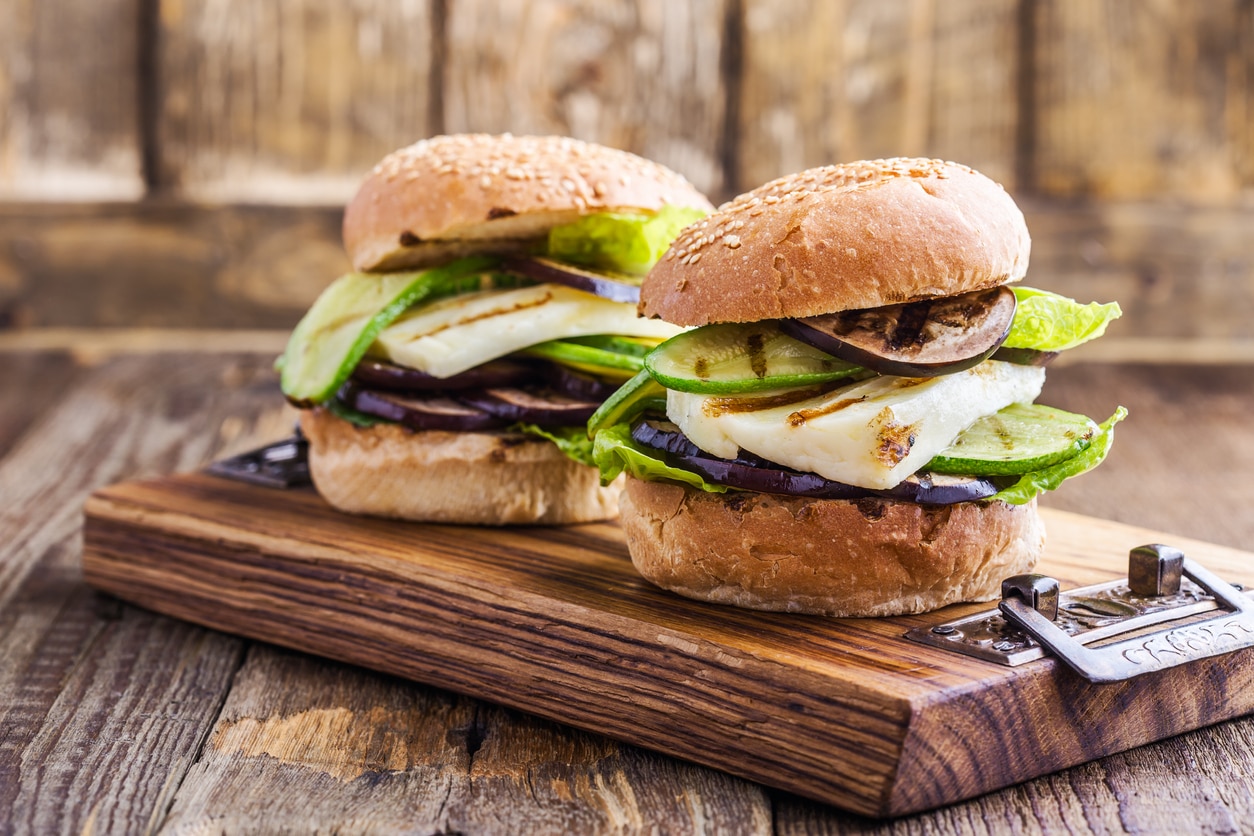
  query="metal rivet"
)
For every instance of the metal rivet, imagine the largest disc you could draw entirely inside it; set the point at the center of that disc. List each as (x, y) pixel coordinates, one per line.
(944, 630)
(1039, 592)
(1155, 570)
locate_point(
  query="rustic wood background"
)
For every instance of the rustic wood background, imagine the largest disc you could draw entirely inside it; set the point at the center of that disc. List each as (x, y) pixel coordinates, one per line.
(182, 163)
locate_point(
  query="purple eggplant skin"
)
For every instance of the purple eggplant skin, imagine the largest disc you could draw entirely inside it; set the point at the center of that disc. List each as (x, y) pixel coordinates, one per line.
(548, 270)
(939, 489)
(418, 411)
(1025, 356)
(665, 436)
(542, 407)
(379, 374)
(753, 473)
(577, 384)
(915, 339)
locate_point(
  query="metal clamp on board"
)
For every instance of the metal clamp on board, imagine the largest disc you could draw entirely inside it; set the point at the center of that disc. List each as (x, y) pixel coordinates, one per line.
(283, 464)
(1211, 618)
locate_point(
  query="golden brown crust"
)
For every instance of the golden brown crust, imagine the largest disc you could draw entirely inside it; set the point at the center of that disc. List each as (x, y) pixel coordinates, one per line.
(479, 478)
(841, 237)
(420, 202)
(822, 556)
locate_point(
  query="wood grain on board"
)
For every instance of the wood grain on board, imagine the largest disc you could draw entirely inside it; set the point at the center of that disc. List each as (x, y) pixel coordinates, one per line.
(556, 622)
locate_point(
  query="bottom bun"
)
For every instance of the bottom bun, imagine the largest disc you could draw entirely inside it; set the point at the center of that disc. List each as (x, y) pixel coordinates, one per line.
(480, 478)
(831, 557)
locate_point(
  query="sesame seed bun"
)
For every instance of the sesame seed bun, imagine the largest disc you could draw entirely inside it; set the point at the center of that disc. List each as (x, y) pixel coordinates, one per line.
(450, 196)
(841, 237)
(837, 238)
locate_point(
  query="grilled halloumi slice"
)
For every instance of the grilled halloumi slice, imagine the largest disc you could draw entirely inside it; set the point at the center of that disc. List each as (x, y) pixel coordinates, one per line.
(872, 434)
(458, 333)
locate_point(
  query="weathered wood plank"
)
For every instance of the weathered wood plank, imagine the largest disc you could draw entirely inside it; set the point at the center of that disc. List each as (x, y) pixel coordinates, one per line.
(859, 79)
(105, 713)
(103, 707)
(69, 108)
(31, 385)
(289, 102)
(1137, 101)
(343, 750)
(329, 746)
(642, 76)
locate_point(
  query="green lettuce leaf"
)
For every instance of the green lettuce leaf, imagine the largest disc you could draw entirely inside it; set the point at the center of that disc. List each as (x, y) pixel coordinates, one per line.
(618, 241)
(614, 452)
(1045, 321)
(345, 412)
(1049, 478)
(573, 441)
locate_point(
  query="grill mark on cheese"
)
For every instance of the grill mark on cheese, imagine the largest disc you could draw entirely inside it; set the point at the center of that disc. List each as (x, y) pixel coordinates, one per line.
(535, 303)
(796, 419)
(894, 440)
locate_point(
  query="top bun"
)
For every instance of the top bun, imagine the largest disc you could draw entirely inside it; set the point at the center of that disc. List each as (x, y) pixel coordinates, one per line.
(449, 196)
(841, 237)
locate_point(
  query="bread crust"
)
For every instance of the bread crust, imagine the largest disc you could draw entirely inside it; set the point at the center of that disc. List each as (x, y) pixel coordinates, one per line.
(841, 237)
(501, 192)
(825, 557)
(473, 478)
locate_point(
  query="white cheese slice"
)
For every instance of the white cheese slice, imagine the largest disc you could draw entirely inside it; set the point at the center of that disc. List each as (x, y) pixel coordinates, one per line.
(455, 334)
(872, 434)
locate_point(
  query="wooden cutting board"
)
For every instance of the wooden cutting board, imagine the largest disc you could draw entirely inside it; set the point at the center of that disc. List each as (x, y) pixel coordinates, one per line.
(555, 622)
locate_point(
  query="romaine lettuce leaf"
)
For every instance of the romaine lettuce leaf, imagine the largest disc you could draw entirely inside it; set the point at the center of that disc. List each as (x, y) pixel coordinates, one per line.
(573, 441)
(614, 452)
(1049, 478)
(1045, 321)
(619, 241)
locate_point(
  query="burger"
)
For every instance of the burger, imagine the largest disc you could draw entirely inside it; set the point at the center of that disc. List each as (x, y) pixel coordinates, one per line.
(848, 428)
(491, 311)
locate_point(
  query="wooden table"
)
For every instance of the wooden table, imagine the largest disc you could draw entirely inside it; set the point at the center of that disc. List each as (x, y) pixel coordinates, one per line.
(113, 719)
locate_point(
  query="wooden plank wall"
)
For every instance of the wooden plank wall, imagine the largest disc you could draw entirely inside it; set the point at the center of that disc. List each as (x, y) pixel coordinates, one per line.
(181, 163)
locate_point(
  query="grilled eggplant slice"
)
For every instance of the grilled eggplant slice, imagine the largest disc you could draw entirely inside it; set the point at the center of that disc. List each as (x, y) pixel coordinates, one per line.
(917, 339)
